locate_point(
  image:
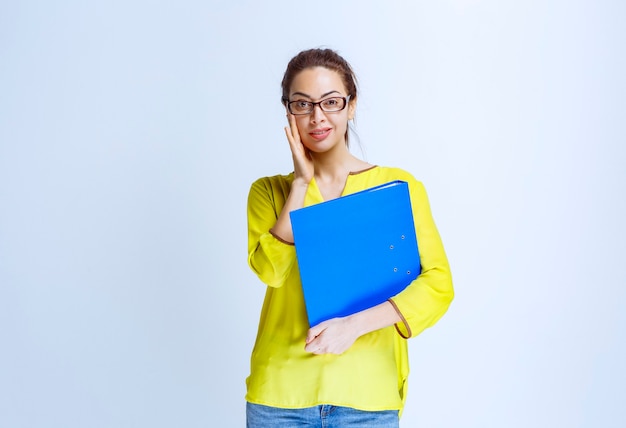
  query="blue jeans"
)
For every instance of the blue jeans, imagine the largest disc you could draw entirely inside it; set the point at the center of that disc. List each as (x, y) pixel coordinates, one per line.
(258, 416)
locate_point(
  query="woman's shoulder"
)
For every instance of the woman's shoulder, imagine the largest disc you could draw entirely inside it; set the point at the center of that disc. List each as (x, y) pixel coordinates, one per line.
(274, 182)
(278, 178)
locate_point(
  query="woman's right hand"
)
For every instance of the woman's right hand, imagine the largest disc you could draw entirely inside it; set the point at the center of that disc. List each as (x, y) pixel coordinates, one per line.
(303, 174)
(302, 162)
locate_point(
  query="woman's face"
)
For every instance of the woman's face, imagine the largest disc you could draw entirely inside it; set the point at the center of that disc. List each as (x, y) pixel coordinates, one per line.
(321, 131)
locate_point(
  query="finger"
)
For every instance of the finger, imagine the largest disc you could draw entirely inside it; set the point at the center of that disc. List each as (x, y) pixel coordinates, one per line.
(314, 348)
(292, 136)
(295, 146)
(314, 332)
(293, 126)
(289, 136)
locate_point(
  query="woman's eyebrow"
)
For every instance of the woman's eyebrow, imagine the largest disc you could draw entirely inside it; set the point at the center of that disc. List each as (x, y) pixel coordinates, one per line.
(310, 97)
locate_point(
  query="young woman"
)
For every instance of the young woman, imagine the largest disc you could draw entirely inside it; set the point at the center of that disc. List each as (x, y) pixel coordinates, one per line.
(349, 371)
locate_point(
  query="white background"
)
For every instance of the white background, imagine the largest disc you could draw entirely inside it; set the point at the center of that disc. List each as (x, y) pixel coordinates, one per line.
(131, 130)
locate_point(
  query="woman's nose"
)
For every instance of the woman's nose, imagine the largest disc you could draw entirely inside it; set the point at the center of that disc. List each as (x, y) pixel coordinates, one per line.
(317, 115)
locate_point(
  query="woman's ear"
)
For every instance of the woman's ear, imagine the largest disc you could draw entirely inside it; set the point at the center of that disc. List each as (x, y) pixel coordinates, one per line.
(351, 109)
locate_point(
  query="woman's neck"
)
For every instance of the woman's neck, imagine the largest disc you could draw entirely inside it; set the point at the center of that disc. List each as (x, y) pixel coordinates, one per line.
(332, 168)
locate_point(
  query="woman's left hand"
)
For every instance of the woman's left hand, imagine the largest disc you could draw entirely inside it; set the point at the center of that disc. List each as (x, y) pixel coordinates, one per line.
(334, 336)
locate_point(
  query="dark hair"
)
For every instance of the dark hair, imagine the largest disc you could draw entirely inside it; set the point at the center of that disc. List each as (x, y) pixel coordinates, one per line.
(326, 58)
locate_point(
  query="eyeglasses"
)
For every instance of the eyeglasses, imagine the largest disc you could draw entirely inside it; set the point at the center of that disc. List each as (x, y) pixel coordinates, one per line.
(332, 104)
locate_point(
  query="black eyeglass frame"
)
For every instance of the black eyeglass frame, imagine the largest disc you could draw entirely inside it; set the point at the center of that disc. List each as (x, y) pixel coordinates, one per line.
(346, 100)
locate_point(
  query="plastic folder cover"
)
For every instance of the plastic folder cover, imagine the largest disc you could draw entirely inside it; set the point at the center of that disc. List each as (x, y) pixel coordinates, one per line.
(355, 251)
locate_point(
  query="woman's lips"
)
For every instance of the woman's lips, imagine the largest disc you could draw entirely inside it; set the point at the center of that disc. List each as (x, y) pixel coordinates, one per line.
(320, 134)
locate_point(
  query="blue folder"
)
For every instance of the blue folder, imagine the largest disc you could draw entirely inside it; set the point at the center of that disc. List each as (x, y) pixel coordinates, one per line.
(355, 251)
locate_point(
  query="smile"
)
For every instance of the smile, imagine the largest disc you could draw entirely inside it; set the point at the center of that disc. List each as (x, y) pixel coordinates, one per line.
(320, 134)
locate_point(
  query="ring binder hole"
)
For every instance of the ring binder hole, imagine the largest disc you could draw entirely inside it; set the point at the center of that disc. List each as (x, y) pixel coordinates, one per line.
(402, 237)
(408, 272)
(395, 269)
(391, 247)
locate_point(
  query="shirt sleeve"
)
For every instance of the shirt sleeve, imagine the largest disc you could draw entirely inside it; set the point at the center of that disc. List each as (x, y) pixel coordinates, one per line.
(270, 258)
(427, 298)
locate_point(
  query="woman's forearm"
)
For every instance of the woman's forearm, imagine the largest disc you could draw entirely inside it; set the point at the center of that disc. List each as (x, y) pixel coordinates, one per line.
(282, 228)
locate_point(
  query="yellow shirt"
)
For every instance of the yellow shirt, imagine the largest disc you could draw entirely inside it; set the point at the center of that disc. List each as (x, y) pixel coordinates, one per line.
(372, 374)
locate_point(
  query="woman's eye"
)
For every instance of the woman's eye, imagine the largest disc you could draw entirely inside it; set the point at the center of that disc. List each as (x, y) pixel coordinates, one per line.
(331, 102)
